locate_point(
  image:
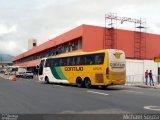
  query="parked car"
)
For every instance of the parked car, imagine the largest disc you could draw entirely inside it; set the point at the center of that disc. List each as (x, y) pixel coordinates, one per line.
(28, 74)
(6, 73)
(20, 71)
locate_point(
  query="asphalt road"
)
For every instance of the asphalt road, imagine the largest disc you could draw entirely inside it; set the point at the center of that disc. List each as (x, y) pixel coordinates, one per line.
(28, 96)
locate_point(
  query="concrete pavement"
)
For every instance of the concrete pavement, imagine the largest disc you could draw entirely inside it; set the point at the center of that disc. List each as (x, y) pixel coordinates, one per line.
(28, 96)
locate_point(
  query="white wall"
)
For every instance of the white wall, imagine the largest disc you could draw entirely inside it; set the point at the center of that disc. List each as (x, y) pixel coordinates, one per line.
(135, 69)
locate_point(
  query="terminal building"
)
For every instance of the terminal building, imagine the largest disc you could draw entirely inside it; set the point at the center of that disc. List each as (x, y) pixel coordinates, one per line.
(140, 48)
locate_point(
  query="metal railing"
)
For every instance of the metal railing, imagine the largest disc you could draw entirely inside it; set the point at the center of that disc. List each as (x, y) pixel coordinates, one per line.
(140, 80)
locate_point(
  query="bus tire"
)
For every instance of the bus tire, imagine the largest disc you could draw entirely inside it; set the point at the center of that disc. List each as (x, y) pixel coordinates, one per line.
(46, 80)
(87, 82)
(79, 82)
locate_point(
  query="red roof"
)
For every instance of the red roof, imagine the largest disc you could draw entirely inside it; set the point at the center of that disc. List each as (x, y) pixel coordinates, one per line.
(29, 63)
(66, 37)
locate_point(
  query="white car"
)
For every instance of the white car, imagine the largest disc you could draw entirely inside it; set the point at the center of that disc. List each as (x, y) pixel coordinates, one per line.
(6, 73)
(28, 74)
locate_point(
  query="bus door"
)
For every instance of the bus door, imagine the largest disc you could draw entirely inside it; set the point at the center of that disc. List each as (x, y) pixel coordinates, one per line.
(40, 72)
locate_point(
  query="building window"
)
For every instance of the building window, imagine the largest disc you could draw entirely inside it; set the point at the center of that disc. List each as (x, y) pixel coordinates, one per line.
(34, 44)
(80, 44)
(73, 45)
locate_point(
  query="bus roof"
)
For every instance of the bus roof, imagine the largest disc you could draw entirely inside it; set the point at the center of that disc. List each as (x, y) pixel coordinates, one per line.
(76, 53)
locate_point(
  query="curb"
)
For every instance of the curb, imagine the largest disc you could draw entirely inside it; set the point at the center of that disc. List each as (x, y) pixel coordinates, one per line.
(145, 86)
(158, 87)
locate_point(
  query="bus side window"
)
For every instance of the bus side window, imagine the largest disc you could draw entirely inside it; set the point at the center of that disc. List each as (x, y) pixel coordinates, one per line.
(56, 62)
(60, 62)
(63, 61)
(52, 62)
(99, 58)
(90, 60)
(74, 61)
(82, 60)
(78, 60)
(68, 61)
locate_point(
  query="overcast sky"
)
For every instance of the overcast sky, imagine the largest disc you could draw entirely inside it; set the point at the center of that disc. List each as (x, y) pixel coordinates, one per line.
(21, 20)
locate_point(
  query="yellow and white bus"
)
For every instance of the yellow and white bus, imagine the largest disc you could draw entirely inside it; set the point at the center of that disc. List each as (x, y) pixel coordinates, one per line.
(85, 69)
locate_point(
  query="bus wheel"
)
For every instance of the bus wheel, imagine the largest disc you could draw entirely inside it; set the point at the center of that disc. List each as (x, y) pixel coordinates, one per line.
(87, 83)
(46, 80)
(79, 82)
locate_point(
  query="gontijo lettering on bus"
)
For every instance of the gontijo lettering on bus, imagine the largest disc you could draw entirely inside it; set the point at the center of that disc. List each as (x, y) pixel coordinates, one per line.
(73, 68)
